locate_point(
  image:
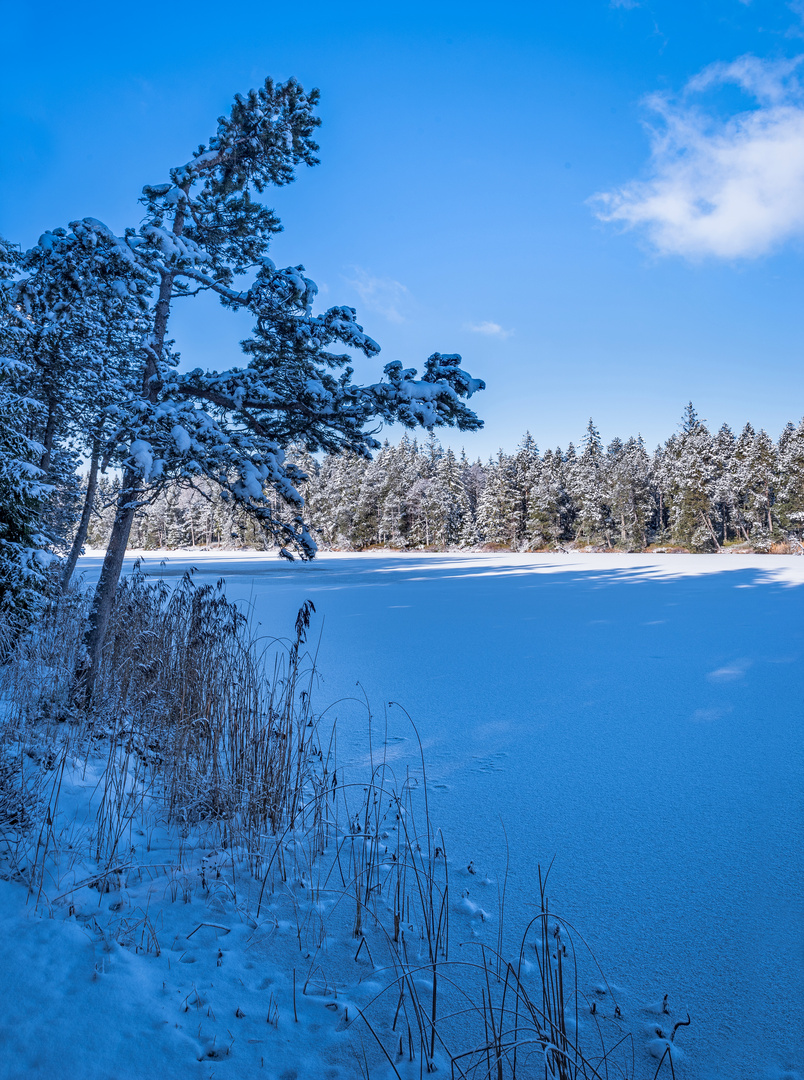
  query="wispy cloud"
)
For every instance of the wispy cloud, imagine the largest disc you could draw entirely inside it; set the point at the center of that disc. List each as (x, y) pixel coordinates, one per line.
(490, 329)
(727, 187)
(628, 4)
(384, 295)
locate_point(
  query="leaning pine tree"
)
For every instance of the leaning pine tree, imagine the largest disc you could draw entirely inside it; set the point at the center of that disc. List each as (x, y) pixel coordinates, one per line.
(204, 231)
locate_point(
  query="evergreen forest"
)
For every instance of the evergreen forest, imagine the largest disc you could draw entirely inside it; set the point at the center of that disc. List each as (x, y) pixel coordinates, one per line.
(700, 491)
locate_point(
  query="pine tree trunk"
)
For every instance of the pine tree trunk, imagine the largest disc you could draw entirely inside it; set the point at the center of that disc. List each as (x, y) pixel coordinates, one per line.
(50, 434)
(83, 524)
(127, 504)
(103, 600)
(708, 524)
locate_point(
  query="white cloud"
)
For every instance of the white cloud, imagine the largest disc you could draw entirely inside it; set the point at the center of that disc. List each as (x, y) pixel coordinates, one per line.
(726, 187)
(383, 295)
(629, 4)
(490, 329)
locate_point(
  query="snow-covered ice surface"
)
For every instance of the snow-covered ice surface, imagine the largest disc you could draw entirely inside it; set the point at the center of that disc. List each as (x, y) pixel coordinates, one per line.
(637, 717)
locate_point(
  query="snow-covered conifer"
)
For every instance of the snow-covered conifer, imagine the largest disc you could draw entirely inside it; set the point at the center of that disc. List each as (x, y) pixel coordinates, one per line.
(790, 502)
(496, 521)
(585, 479)
(628, 482)
(84, 298)
(23, 547)
(693, 469)
(725, 495)
(456, 512)
(760, 469)
(525, 469)
(203, 231)
(548, 507)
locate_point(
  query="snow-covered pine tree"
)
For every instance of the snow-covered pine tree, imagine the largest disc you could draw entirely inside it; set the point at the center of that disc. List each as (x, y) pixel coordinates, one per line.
(427, 510)
(84, 299)
(456, 513)
(402, 468)
(339, 501)
(628, 484)
(548, 503)
(431, 452)
(568, 461)
(760, 476)
(368, 506)
(661, 466)
(585, 479)
(203, 231)
(725, 494)
(741, 479)
(693, 471)
(436, 497)
(473, 477)
(496, 520)
(23, 548)
(790, 501)
(525, 470)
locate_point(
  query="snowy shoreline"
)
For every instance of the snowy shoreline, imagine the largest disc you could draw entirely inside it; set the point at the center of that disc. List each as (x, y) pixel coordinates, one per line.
(251, 552)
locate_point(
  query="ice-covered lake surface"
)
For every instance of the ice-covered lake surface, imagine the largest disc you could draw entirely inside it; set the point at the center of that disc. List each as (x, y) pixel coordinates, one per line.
(639, 718)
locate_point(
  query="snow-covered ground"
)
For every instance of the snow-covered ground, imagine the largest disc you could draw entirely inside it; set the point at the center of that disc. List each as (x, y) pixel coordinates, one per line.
(637, 717)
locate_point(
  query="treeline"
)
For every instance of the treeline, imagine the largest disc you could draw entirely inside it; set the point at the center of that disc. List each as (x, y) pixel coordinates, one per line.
(700, 491)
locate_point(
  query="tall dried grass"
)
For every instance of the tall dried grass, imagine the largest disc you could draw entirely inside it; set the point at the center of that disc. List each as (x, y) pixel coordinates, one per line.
(191, 707)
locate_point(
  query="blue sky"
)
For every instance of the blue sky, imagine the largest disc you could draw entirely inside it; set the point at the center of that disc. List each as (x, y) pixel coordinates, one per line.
(599, 204)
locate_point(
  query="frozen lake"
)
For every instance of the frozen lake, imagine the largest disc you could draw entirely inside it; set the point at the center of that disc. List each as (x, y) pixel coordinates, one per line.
(638, 717)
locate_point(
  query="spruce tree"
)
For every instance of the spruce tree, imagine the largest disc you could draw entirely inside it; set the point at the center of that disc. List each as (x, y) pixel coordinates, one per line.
(724, 491)
(741, 479)
(790, 501)
(693, 476)
(496, 521)
(585, 475)
(548, 503)
(474, 481)
(23, 547)
(761, 469)
(525, 470)
(628, 482)
(456, 517)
